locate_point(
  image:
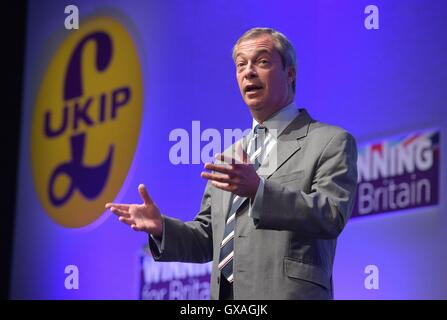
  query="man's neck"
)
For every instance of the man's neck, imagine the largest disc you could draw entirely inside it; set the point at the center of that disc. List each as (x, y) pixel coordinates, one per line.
(260, 118)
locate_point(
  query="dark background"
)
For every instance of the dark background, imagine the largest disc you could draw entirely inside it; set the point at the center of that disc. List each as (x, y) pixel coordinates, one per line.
(13, 26)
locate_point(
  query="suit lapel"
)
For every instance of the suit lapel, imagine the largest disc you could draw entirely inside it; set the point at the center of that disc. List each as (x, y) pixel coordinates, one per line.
(226, 197)
(289, 142)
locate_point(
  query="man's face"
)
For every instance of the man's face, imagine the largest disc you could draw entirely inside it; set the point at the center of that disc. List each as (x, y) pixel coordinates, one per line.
(264, 83)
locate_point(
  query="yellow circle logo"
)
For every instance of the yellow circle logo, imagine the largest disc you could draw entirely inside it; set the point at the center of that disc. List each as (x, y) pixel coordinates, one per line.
(86, 122)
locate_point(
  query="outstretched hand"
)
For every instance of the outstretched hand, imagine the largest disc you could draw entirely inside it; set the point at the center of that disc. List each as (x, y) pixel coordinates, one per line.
(140, 217)
(236, 175)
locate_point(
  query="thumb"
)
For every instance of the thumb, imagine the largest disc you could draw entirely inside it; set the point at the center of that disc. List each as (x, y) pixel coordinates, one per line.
(241, 155)
(144, 195)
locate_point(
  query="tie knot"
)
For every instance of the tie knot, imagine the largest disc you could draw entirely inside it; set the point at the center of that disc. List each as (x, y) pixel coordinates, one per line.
(260, 129)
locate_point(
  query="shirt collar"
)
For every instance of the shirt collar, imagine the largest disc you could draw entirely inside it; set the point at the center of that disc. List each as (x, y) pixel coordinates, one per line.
(280, 119)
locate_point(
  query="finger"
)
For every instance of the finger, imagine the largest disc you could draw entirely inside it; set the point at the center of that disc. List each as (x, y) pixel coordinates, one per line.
(127, 221)
(216, 177)
(226, 158)
(144, 195)
(222, 168)
(134, 227)
(241, 155)
(222, 186)
(120, 212)
(124, 207)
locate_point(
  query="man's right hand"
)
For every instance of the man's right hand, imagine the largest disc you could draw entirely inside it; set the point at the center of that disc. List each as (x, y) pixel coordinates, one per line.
(140, 217)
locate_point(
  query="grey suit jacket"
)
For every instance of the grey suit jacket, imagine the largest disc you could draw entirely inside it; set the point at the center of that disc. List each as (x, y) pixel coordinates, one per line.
(286, 248)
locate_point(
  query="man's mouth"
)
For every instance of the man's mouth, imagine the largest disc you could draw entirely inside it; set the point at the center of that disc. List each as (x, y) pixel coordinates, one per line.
(253, 88)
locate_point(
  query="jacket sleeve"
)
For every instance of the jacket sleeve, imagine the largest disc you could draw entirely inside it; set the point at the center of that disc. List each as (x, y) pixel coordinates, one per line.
(322, 212)
(186, 241)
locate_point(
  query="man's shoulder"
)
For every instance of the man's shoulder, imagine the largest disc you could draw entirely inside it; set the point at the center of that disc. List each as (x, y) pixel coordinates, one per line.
(326, 132)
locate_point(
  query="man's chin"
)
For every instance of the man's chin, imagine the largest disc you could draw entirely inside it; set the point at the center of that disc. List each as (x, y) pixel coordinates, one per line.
(254, 104)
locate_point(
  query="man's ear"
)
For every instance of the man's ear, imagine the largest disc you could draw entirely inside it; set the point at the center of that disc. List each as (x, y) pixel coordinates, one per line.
(291, 74)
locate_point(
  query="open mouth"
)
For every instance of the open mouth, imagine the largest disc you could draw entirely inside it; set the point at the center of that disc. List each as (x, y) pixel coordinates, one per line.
(253, 88)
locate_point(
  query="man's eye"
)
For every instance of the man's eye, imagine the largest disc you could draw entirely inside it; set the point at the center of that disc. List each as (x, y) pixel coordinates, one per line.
(263, 61)
(240, 64)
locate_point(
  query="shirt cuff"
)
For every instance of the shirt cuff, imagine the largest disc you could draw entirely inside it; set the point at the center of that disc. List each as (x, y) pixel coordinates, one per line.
(255, 205)
(157, 241)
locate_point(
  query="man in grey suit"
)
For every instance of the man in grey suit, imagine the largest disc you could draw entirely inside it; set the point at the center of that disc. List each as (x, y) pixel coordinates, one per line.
(271, 214)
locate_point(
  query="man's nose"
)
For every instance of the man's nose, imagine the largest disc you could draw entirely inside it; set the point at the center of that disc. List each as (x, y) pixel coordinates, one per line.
(250, 71)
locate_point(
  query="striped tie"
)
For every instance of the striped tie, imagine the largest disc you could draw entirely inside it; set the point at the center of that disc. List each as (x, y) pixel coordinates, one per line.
(227, 245)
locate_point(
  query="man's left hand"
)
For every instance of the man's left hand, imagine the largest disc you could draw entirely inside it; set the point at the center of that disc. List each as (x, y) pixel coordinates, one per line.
(235, 175)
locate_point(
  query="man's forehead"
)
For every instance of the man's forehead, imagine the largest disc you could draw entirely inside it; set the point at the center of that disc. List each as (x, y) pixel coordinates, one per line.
(252, 46)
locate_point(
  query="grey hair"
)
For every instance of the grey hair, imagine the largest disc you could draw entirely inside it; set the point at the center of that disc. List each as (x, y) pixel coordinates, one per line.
(282, 44)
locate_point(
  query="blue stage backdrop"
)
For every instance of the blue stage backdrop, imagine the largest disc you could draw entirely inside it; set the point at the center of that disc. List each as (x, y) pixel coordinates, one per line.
(144, 91)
